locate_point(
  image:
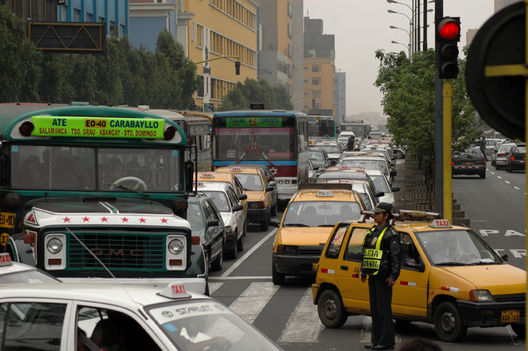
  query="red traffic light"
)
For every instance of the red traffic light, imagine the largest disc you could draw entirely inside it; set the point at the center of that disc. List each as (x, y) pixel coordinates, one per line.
(449, 28)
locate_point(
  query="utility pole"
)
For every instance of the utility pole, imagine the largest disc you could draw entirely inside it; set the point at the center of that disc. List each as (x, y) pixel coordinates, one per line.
(439, 135)
(425, 25)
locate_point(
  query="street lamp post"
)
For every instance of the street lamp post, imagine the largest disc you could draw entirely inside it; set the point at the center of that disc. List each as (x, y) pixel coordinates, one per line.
(411, 31)
(408, 33)
(408, 47)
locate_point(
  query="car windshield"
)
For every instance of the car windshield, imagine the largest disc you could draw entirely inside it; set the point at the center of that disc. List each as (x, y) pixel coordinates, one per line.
(27, 276)
(94, 169)
(379, 165)
(220, 200)
(320, 213)
(456, 247)
(521, 149)
(207, 322)
(506, 148)
(195, 216)
(250, 182)
(330, 149)
(316, 155)
(380, 183)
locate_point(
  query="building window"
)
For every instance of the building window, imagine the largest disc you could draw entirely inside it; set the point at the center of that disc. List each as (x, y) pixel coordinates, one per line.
(113, 29)
(237, 11)
(306, 81)
(200, 92)
(316, 68)
(290, 51)
(316, 93)
(199, 35)
(290, 9)
(77, 15)
(122, 30)
(315, 81)
(89, 17)
(290, 30)
(305, 67)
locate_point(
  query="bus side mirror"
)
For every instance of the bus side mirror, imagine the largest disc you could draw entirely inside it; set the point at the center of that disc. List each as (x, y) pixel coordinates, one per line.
(189, 176)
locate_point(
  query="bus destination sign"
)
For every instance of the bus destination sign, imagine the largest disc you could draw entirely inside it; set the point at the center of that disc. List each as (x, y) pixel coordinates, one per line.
(248, 122)
(97, 127)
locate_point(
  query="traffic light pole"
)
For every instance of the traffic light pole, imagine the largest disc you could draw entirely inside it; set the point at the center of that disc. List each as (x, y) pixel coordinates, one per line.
(439, 171)
(447, 124)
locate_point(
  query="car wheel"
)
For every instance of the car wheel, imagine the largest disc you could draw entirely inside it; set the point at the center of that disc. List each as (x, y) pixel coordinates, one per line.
(447, 322)
(219, 262)
(265, 223)
(482, 175)
(520, 330)
(493, 163)
(278, 278)
(330, 309)
(234, 253)
(240, 243)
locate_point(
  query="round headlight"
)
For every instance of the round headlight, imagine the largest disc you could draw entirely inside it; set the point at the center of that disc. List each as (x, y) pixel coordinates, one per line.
(175, 247)
(54, 246)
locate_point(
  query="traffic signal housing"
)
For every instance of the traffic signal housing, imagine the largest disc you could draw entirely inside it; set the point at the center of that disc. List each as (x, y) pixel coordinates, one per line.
(237, 68)
(447, 38)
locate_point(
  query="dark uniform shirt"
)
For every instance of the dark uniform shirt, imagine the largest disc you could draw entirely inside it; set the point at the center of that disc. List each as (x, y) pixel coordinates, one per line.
(390, 244)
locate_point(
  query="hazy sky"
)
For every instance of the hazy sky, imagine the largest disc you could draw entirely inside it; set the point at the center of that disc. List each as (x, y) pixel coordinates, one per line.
(362, 26)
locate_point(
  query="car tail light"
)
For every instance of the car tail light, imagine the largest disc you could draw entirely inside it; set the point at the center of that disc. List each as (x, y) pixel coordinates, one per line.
(196, 240)
(452, 163)
(512, 158)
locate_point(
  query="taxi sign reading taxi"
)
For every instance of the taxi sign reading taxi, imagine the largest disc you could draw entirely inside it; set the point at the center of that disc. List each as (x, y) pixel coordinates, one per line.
(66, 126)
(496, 70)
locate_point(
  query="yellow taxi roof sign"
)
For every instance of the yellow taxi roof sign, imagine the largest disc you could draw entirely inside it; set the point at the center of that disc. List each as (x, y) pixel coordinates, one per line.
(207, 175)
(236, 169)
(440, 223)
(325, 193)
(5, 259)
(174, 290)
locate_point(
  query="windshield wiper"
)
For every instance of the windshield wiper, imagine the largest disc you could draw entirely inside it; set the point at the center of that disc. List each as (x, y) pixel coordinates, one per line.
(296, 225)
(326, 225)
(451, 264)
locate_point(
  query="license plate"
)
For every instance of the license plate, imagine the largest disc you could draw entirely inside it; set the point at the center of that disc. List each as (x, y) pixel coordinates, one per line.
(510, 316)
(7, 220)
(468, 163)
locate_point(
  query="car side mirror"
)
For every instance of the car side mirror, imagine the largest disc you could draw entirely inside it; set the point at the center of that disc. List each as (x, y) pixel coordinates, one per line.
(505, 257)
(274, 224)
(238, 208)
(379, 194)
(395, 188)
(272, 183)
(269, 188)
(212, 222)
(242, 197)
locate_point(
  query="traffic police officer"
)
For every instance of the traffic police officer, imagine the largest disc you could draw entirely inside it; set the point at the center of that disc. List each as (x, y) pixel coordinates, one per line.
(381, 262)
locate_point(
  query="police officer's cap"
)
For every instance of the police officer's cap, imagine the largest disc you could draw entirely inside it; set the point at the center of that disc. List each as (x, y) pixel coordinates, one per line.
(384, 207)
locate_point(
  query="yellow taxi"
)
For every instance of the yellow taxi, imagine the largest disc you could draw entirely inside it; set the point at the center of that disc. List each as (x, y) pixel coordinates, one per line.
(258, 190)
(306, 224)
(226, 178)
(449, 277)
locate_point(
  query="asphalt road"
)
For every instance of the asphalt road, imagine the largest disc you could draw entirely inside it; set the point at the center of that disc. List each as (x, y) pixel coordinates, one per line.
(287, 315)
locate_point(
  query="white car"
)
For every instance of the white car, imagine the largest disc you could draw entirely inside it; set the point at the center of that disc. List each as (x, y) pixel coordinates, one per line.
(227, 202)
(501, 158)
(88, 316)
(332, 150)
(381, 184)
(372, 162)
(14, 272)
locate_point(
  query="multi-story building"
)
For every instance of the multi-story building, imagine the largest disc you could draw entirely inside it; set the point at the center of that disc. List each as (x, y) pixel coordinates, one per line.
(221, 33)
(281, 57)
(340, 97)
(114, 13)
(35, 11)
(319, 68)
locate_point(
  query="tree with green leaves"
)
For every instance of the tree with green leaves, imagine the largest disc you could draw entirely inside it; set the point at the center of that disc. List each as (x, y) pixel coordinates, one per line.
(408, 88)
(253, 91)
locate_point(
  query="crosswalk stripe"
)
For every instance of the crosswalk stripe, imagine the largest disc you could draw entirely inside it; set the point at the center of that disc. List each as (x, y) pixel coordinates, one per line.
(303, 324)
(213, 287)
(251, 302)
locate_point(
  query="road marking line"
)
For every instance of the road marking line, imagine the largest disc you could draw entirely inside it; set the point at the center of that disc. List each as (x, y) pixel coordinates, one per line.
(507, 182)
(499, 177)
(304, 324)
(516, 188)
(213, 287)
(242, 277)
(247, 254)
(253, 300)
(492, 172)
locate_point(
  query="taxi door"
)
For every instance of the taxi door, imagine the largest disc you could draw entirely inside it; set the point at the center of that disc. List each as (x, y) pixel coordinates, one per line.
(354, 292)
(409, 296)
(329, 262)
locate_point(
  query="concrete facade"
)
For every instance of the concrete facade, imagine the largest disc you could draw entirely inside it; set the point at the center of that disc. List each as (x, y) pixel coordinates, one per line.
(114, 13)
(340, 97)
(220, 33)
(281, 59)
(319, 69)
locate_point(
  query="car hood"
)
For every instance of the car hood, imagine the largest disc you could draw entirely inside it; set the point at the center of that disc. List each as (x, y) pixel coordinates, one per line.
(305, 236)
(332, 156)
(388, 197)
(499, 279)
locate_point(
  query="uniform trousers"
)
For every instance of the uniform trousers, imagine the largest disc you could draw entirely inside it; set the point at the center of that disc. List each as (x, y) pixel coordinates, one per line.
(380, 309)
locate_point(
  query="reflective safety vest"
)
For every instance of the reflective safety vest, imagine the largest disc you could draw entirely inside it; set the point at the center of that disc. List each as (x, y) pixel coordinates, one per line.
(372, 256)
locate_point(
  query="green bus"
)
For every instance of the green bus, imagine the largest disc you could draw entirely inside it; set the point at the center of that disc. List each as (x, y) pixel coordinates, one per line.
(99, 192)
